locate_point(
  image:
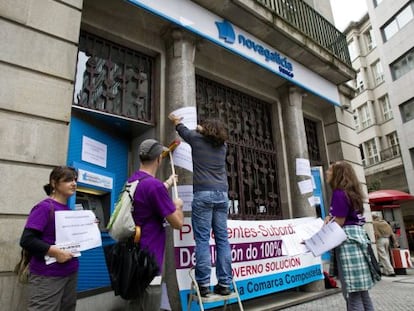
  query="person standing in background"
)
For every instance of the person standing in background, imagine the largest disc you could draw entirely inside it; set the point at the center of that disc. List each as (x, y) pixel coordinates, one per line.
(153, 209)
(210, 201)
(383, 234)
(53, 286)
(351, 257)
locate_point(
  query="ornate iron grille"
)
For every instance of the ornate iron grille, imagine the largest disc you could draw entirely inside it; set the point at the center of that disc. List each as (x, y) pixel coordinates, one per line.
(113, 79)
(312, 141)
(251, 158)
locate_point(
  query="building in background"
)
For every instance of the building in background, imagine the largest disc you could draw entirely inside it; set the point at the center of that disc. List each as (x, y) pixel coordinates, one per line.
(84, 82)
(381, 47)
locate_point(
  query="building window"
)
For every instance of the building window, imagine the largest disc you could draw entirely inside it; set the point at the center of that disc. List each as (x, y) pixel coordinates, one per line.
(370, 39)
(312, 141)
(412, 156)
(392, 139)
(353, 51)
(356, 120)
(364, 116)
(361, 150)
(407, 110)
(393, 149)
(397, 22)
(113, 79)
(403, 65)
(251, 159)
(360, 86)
(371, 152)
(394, 144)
(377, 72)
(386, 107)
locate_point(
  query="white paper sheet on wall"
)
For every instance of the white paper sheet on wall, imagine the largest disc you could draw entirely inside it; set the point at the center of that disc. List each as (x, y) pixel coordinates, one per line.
(182, 156)
(303, 167)
(189, 115)
(305, 186)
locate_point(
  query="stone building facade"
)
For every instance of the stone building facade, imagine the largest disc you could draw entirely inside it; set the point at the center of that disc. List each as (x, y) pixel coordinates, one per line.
(78, 72)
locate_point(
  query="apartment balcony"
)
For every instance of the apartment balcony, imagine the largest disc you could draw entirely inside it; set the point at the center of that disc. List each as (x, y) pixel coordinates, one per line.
(293, 28)
(388, 159)
(388, 172)
(310, 22)
(390, 153)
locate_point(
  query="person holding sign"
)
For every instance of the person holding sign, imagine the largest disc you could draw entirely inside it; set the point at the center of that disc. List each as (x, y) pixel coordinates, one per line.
(153, 207)
(51, 286)
(210, 201)
(351, 257)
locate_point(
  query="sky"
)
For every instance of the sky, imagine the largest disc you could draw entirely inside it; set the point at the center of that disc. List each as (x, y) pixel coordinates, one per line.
(346, 11)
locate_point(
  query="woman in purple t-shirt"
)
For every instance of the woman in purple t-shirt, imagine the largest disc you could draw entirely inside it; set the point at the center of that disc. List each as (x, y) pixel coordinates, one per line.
(351, 257)
(53, 286)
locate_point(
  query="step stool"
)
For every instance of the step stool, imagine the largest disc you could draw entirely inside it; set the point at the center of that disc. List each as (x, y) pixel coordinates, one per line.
(195, 295)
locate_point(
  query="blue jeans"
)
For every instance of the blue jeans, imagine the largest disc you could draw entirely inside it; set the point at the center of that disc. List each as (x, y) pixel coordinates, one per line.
(210, 210)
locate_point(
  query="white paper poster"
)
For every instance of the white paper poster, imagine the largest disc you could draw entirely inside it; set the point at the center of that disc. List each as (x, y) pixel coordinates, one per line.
(94, 151)
(185, 193)
(305, 186)
(305, 228)
(327, 238)
(312, 201)
(182, 156)
(303, 167)
(189, 115)
(77, 227)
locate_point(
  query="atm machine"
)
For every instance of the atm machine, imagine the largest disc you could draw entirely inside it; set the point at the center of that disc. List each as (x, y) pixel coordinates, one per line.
(95, 192)
(95, 201)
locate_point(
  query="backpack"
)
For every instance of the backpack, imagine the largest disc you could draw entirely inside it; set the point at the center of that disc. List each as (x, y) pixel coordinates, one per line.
(22, 267)
(121, 225)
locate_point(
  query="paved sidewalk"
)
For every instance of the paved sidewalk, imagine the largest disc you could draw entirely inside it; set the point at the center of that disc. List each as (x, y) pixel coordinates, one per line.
(390, 294)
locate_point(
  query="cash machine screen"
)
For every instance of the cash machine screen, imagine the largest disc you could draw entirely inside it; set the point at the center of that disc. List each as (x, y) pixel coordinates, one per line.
(95, 203)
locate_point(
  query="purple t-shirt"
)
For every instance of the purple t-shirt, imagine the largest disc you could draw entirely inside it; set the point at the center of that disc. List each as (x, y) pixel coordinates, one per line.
(341, 207)
(42, 218)
(152, 204)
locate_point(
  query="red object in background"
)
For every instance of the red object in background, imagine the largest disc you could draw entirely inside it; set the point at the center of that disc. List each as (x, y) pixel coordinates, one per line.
(398, 232)
(382, 199)
(401, 258)
(389, 196)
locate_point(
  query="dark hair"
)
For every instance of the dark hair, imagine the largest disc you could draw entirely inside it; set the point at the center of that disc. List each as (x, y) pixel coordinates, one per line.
(215, 130)
(60, 173)
(345, 178)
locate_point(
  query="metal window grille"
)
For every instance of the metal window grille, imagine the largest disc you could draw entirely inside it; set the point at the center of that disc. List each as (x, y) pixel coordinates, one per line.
(113, 79)
(251, 159)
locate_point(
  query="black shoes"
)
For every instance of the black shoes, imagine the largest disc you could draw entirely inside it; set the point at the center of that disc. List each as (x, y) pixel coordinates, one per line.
(218, 289)
(204, 291)
(222, 290)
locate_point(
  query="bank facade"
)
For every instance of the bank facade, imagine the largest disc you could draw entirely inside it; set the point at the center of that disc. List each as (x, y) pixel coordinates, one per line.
(84, 82)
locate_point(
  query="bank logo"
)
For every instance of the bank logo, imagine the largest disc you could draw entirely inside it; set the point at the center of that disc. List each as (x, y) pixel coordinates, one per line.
(227, 34)
(226, 31)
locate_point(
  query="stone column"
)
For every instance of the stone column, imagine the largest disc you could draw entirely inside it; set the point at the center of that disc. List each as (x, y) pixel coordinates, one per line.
(180, 92)
(297, 148)
(180, 87)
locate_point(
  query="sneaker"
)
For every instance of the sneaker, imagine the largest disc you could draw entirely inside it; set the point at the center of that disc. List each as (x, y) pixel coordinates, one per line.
(204, 291)
(222, 290)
